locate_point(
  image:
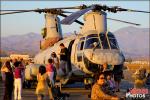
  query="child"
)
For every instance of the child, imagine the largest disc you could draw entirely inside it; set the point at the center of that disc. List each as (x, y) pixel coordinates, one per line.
(111, 83)
(42, 88)
(50, 70)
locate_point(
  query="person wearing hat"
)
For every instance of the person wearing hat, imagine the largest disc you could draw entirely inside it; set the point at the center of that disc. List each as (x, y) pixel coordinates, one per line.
(63, 58)
(55, 59)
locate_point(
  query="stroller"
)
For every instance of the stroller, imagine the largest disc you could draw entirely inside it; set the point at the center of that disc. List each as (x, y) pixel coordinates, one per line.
(58, 95)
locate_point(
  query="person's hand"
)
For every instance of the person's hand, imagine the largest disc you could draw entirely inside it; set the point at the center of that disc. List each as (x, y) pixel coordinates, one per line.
(61, 54)
(114, 98)
(3, 80)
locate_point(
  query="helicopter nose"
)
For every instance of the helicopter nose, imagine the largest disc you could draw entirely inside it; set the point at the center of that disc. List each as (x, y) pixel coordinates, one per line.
(98, 56)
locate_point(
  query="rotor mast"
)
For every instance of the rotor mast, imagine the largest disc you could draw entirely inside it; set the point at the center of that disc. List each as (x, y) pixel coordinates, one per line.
(95, 21)
(52, 31)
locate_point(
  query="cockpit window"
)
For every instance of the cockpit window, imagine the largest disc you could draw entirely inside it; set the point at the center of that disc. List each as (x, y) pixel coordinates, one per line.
(107, 42)
(80, 45)
(92, 35)
(92, 43)
(104, 41)
(113, 42)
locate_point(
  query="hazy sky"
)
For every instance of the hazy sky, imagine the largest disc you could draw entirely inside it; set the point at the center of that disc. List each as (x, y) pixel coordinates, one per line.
(33, 22)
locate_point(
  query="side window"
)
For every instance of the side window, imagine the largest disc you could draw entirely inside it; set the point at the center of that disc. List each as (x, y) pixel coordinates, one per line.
(79, 57)
(80, 45)
(56, 25)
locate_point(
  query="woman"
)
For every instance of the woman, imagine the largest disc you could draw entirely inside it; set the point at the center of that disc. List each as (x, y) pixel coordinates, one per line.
(17, 81)
(42, 86)
(98, 89)
(56, 65)
(55, 59)
(8, 80)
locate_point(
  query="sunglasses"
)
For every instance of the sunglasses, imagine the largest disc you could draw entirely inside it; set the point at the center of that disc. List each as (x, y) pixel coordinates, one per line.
(101, 78)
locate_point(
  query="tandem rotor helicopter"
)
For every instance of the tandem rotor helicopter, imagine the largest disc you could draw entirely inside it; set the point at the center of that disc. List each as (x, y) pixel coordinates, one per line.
(88, 50)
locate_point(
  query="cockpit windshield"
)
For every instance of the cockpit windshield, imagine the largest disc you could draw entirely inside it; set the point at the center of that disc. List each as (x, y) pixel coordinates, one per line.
(92, 41)
(105, 41)
(108, 41)
(113, 42)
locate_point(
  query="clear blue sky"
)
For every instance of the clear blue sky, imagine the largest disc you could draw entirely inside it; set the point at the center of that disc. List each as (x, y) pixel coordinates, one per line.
(33, 22)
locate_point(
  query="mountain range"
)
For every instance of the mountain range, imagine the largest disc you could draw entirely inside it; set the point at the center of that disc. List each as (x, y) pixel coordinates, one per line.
(134, 42)
(22, 44)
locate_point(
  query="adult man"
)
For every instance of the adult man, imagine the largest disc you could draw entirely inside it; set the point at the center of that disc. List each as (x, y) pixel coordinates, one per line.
(63, 58)
(99, 90)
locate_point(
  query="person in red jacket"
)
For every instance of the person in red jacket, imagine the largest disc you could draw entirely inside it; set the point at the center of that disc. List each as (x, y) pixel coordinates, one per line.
(17, 81)
(50, 70)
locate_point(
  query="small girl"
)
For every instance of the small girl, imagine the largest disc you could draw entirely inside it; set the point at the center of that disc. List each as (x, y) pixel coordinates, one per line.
(50, 70)
(111, 83)
(42, 88)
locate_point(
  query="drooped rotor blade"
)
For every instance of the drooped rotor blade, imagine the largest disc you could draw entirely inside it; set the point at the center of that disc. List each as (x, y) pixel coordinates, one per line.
(130, 10)
(13, 12)
(124, 21)
(77, 7)
(77, 21)
(16, 10)
(54, 11)
(137, 11)
(71, 18)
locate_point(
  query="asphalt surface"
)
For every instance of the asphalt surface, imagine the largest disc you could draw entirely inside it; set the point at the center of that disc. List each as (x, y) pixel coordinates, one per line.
(29, 94)
(77, 90)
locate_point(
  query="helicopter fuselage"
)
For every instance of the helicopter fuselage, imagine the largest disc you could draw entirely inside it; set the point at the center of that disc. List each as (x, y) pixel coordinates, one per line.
(87, 52)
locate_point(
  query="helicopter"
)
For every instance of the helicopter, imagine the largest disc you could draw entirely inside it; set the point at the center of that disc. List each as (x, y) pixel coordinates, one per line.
(88, 50)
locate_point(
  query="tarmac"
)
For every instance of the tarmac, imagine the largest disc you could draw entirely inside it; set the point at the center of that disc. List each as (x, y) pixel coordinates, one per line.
(76, 91)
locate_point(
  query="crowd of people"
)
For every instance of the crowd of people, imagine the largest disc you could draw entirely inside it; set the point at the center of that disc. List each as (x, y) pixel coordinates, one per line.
(13, 77)
(107, 82)
(47, 75)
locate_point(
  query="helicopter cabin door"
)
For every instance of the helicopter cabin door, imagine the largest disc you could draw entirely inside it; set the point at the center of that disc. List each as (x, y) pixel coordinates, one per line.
(80, 46)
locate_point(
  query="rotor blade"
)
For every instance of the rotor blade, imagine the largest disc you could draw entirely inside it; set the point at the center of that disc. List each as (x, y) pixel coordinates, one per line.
(14, 12)
(137, 11)
(77, 7)
(124, 21)
(77, 21)
(130, 10)
(71, 18)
